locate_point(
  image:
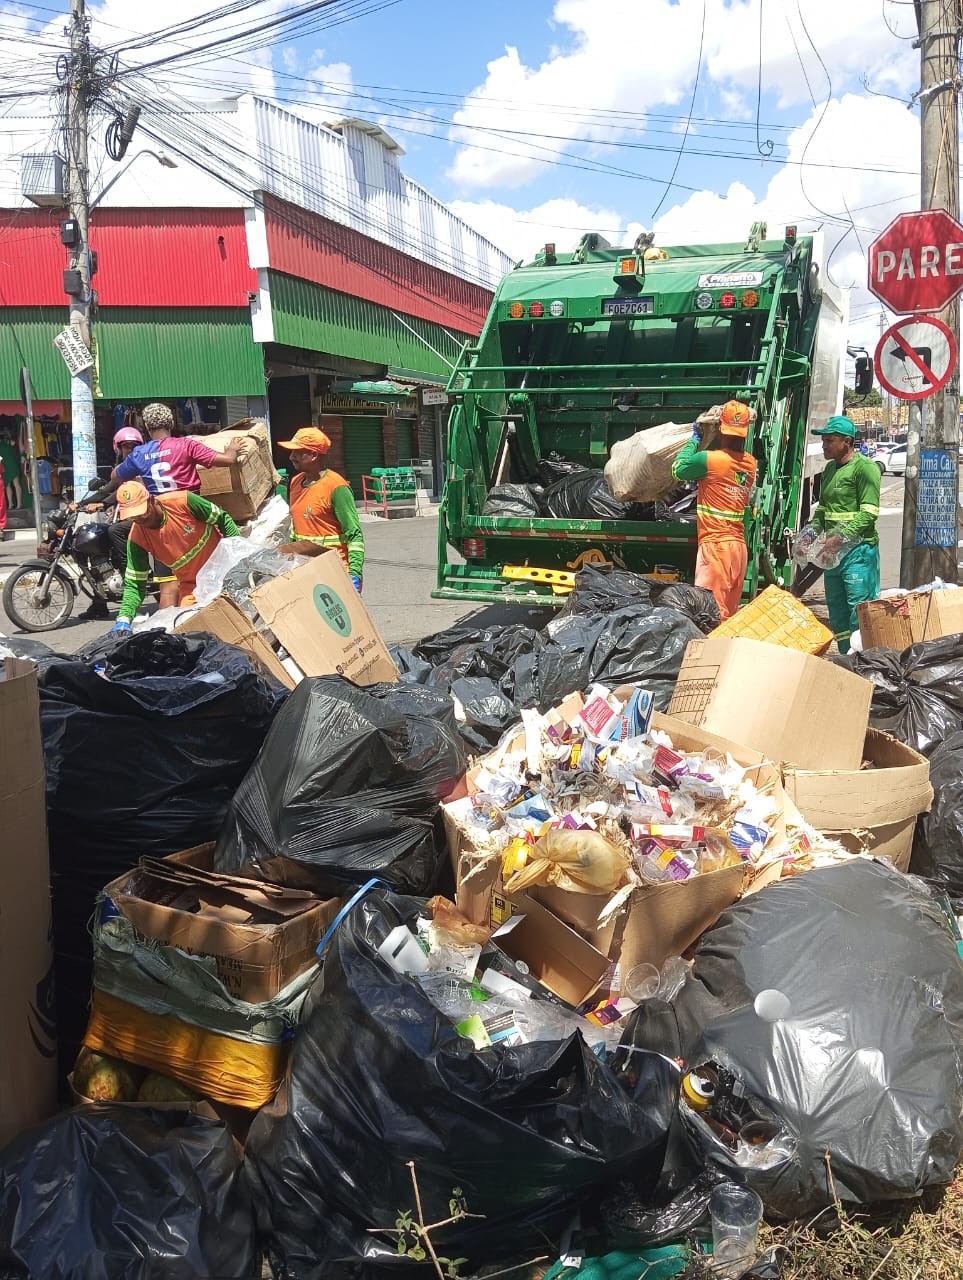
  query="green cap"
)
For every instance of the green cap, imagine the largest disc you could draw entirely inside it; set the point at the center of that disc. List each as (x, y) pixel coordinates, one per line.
(837, 426)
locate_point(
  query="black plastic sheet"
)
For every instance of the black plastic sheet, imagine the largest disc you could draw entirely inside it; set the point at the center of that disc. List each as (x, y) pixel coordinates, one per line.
(346, 787)
(867, 1066)
(608, 631)
(512, 500)
(918, 695)
(121, 1193)
(938, 845)
(144, 748)
(379, 1078)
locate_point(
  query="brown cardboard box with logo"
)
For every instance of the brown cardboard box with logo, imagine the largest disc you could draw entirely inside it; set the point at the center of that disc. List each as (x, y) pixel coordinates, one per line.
(787, 705)
(558, 957)
(317, 615)
(241, 489)
(223, 618)
(658, 921)
(873, 809)
(28, 1061)
(901, 620)
(260, 935)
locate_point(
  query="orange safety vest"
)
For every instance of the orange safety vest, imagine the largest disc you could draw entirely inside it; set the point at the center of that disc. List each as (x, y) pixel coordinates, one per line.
(312, 515)
(723, 496)
(183, 541)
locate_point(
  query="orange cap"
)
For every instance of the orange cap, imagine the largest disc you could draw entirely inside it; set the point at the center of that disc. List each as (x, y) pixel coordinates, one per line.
(736, 417)
(308, 438)
(132, 499)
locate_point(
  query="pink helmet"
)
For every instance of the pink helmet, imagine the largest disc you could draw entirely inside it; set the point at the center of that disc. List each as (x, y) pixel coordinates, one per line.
(127, 435)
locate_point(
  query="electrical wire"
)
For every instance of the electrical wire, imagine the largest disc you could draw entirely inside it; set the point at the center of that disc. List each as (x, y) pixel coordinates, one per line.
(764, 148)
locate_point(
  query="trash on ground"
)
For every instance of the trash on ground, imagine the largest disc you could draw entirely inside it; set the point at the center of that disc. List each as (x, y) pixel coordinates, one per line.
(812, 1005)
(778, 617)
(508, 1140)
(899, 619)
(346, 787)
(125, 1193)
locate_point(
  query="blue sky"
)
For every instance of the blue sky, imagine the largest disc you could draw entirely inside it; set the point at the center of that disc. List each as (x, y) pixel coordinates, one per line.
(540, 119)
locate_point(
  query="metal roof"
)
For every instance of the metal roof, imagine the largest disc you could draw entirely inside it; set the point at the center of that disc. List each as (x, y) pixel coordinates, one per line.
(318, 319)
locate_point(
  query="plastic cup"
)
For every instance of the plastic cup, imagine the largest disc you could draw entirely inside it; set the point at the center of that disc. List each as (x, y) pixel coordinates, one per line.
(642, 982)
(736, 1213)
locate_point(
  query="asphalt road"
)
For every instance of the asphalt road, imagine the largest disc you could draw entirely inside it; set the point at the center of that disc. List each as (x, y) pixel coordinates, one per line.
(400, 574)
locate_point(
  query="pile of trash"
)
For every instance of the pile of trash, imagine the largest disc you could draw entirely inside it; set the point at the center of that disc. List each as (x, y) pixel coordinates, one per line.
(494, 963)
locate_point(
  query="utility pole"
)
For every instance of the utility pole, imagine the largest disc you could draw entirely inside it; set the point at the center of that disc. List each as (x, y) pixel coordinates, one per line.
(81, 383)
(934, 433)
(887, 414)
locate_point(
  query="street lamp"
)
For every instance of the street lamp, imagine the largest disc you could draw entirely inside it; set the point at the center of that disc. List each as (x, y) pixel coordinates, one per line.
(161, 157)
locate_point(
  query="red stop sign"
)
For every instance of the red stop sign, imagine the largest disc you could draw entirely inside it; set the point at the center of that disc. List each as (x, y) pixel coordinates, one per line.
(916, 264)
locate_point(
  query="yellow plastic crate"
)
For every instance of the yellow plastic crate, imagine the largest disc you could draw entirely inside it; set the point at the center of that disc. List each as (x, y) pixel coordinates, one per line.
(777, 617)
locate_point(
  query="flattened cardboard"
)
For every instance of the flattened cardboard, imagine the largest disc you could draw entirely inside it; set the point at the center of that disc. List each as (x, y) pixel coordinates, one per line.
(255, 955)
(788, 705)
(28, 1061)
(315, 612)
(899, 621)
(223, 618)
(882, 802)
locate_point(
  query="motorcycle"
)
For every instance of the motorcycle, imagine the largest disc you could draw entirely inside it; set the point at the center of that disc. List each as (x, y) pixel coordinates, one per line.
(73, 559)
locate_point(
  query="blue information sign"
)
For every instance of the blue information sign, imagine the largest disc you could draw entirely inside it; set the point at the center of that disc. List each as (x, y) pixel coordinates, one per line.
(936, 517)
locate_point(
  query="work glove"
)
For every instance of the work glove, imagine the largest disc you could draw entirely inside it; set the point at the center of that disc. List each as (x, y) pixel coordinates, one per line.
(121, 625)
(357, 583)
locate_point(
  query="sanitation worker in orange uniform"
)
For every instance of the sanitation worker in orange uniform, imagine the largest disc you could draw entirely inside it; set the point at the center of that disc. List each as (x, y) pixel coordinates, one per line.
(716, 459)
(323, 509)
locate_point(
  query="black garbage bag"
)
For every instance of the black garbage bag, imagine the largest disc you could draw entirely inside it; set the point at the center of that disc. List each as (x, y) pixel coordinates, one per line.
(378, 1078)
(918, 695)
(599, 588)
(124, 1193)
(346, 787)
(555, 467)
(511, 500)
(938, 843)
(584, 495)
(868, 1064)
(632, 1223)
(144, 749)
(696, 603)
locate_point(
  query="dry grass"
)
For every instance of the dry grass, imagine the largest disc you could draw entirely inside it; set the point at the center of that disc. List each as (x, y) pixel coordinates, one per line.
(918, 1240)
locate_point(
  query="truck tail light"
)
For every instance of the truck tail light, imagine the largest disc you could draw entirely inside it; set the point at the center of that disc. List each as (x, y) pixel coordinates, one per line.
(473, 548)
(536, 310)
(727, 300)
(516, 310)
(750, 298)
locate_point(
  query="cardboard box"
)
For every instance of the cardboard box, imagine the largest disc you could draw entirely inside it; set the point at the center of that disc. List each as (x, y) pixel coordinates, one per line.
(28, 1049)
(873, 809)
(556, 955)
(224, 619)
(789, 706)
(242, 489)
(260, 935)
(317, 615)
(899, 621)
(659, 920)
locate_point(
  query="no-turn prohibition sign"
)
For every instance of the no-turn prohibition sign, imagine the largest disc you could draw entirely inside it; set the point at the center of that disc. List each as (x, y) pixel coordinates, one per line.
(915, 357)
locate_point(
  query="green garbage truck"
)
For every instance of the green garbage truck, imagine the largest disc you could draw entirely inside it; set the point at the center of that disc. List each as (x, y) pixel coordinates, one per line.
(581, 350)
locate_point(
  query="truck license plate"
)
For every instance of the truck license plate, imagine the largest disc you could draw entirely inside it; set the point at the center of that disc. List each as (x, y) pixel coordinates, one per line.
(627, 306)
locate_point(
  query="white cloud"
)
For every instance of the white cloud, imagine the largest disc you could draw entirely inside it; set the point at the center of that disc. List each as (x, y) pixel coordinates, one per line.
(538, 112)
(563, 222)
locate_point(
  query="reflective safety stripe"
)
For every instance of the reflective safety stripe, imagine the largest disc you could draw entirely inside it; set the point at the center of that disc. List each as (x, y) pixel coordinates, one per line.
(842, 635)
(843, 515)
(868, 506)
(188, 556)
(323, 540)
(719, 514)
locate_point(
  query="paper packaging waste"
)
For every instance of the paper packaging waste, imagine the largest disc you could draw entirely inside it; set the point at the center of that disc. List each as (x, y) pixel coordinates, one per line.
(260, 935)
(495, 849)
(241, 489)
(317, 615)
(27, 1046)
(790, 706)
(872, 809)
(899, 620)
(222, 618)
